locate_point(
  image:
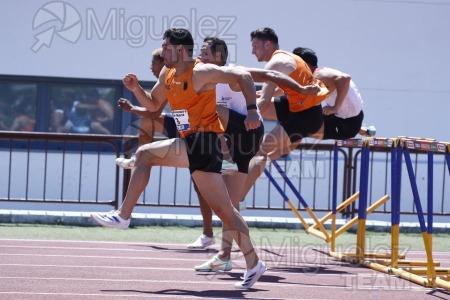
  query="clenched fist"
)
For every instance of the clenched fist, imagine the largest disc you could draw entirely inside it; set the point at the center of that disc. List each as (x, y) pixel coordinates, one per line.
(130, 81)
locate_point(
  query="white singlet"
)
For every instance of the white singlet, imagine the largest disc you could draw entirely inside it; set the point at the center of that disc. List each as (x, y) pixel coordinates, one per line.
(352, 104)
(232, 100)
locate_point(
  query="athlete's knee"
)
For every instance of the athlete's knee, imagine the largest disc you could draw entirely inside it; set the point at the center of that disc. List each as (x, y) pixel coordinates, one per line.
(259, 159)
(269, 144)
(144, 157)
(147, 125)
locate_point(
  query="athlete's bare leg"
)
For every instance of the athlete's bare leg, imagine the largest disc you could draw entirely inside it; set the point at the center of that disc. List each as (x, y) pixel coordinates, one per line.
(273, 141)
(212, 187)
(224, 116)
(267, 109)
(206, 214)
(171, 152)
(235, 182)
(148, 127)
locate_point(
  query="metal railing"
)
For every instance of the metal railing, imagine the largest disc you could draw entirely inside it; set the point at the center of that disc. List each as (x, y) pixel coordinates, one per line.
(80, 169)
(59, 168)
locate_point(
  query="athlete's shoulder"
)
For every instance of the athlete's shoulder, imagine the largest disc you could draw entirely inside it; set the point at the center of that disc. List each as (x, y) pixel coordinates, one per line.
(282, 61)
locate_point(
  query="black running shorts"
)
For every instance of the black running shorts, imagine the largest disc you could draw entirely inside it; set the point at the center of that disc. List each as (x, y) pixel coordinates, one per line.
(336, 128)
(204, 152)
(281, 107)
(242, 144)
(301, 124)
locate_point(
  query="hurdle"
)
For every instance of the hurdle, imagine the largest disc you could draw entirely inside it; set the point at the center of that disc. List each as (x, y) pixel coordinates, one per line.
(335, 209)
(318, 228)
(286, 199)
(361, 254)
(322, 233)
(430, 276)
(443, 281)
(393, 262)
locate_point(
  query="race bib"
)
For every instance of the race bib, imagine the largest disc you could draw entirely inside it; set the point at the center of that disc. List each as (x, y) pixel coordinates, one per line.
(181, 118)
(221, 103)
(224, 101)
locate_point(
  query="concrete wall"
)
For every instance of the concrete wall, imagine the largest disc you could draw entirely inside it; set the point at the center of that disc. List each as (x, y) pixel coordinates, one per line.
(396, 50)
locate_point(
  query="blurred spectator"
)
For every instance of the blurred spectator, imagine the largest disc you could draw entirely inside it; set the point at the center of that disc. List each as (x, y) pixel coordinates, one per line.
(3, 125)
(70, 117)
(22, 110)
(101, 111)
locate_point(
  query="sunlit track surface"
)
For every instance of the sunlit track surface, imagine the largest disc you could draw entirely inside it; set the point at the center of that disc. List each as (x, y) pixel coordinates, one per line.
(38, 269)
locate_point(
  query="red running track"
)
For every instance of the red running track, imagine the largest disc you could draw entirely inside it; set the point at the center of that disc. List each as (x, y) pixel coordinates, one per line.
(39, 269)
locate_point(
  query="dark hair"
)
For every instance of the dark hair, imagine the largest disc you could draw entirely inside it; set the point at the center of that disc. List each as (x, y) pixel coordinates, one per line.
(180, 36)
(308, 55)
(265, 34)
(218, 45)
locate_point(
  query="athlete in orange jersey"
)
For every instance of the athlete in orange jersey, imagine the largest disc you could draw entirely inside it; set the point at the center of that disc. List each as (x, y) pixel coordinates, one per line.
(305, 112)
(191, 111)
(303, 75)
(198, 146)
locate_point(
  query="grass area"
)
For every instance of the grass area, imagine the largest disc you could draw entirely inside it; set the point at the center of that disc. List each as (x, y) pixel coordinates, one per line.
(184, 235)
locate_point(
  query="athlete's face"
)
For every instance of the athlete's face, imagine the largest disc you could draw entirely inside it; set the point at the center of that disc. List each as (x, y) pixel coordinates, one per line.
(156, 66)
(206, 55)
(170, 53)
(259, 49)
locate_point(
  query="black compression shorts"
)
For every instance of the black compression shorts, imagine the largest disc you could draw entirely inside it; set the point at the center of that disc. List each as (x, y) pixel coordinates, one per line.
(336, 128)
(243, 144)
(204, 152)
(170, 128)
(301, 124)
(281, 107)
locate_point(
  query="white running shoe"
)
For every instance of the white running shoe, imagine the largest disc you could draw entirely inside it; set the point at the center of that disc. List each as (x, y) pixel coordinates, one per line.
(125, 163)
(251, 276)
(371, 131)
(214, 264)
(111, 219)
(202, 242)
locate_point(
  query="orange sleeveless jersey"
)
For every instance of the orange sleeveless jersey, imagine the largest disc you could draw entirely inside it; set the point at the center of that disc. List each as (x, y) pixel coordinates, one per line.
(192, 112)
(303, 75)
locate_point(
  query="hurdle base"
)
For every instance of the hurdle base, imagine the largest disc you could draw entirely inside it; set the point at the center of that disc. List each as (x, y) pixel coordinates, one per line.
(420, 280)
(424, 271)
(443, 282)
(367, 254)
(411, 263)
(318, 233)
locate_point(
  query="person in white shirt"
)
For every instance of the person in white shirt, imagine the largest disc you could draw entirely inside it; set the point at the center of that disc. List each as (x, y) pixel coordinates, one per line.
(343, 107)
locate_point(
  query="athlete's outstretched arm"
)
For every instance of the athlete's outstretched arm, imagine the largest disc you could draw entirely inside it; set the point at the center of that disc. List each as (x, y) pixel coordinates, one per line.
(334, 79)
(282, 80)
(140, 111)
(153, 101)
(206, 76)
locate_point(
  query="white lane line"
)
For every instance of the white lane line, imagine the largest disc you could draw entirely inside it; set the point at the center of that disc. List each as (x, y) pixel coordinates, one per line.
(237, 261)
(221, 283)
(180, 295)
(90, 242)
(361, 272)
(102, 257)
(148, 244)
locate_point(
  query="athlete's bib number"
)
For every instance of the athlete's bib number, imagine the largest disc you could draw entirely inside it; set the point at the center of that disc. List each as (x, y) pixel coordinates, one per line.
(181, 118)
(222, 103)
